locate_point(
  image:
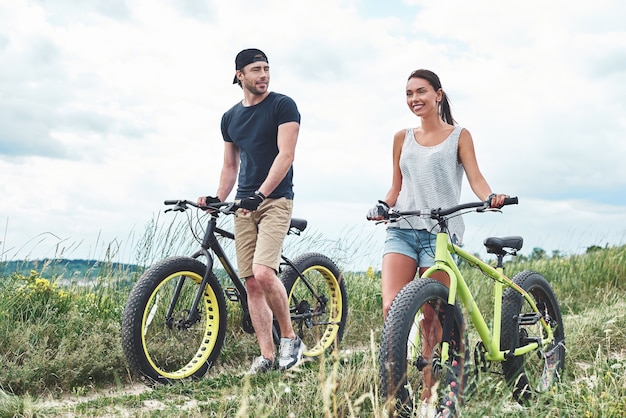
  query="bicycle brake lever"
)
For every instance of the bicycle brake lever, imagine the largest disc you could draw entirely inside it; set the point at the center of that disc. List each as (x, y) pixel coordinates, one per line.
(392, 216)
(177, 208)
(232, 208)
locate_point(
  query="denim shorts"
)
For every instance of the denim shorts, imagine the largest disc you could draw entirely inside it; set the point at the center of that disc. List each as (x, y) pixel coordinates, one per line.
(417, 244)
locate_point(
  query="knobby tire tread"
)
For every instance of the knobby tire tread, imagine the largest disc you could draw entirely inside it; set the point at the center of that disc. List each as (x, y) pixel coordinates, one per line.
(136, 304)
(310, 260)
(512, 302)
(394, 340)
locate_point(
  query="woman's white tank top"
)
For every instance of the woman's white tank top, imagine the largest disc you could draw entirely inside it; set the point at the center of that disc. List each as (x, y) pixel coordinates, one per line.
(431, 178)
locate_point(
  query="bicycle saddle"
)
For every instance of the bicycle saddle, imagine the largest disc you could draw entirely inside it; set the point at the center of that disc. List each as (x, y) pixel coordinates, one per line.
(299, 224)
(496, 245)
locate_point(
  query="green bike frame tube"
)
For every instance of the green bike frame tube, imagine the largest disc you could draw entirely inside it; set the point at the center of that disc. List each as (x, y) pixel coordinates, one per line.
(491, 338)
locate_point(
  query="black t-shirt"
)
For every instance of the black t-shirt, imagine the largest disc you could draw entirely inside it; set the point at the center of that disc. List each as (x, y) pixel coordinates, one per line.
(254, 131)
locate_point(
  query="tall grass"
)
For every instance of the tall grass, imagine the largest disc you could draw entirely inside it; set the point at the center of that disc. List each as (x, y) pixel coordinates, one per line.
(61, 347)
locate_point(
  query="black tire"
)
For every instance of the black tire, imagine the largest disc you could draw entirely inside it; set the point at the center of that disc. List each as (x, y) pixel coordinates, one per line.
(318, 313)
(165, 353)
(403, 364)
(526, 374)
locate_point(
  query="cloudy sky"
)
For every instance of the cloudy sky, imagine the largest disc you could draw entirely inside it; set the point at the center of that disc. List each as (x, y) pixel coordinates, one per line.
(108, 107)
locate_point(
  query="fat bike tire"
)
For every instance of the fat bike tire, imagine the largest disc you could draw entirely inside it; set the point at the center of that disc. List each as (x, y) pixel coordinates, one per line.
(537, 371)
(318, 305)
(165, 349)
(410, 352)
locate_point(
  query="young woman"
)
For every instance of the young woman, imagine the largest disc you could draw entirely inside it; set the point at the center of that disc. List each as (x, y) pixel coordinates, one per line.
(428, 166)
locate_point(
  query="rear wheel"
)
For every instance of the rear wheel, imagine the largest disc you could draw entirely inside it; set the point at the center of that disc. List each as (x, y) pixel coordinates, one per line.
(537, 371)
(161, 340)
(411, 367)
(318, 302)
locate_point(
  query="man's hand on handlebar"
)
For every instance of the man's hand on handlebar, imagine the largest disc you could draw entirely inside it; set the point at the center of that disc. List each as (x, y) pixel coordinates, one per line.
(379, 212)
(207, 200)
(253, 202)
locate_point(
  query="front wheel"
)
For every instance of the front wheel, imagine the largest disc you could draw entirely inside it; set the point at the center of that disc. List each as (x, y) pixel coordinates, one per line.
(318, 302)
(162, 338)
(536, 371)
(412, 371)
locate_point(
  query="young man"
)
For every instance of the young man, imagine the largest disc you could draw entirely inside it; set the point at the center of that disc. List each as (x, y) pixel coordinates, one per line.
(260, 135)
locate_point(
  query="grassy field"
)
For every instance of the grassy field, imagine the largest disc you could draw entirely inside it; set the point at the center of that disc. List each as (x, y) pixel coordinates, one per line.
(61, 354)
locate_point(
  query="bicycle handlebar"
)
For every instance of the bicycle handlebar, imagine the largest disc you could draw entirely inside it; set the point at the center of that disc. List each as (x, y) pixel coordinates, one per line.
(441, 213)
(181, 206)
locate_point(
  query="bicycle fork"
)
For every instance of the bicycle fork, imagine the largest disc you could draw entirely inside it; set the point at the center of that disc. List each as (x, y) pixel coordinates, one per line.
(193, 315)
(442, 263)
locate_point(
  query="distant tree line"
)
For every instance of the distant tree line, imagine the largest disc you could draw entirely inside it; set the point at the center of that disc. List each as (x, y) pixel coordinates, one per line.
(541, 254)
(67, 269)
(92, 269)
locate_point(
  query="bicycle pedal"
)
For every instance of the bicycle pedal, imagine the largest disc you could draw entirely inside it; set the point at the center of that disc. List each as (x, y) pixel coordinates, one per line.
(232, 294)
(528, 318)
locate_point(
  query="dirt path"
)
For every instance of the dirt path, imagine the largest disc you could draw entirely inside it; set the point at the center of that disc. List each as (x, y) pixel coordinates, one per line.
(69, 402)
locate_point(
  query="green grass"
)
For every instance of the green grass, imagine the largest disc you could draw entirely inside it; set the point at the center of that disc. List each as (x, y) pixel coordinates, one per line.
(61, 354)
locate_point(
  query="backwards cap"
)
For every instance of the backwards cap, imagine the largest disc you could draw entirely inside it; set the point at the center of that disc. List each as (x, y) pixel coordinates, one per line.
(248, 56)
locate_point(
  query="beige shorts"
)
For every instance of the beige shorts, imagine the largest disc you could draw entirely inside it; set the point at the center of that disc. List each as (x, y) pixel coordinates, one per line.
(259, 235)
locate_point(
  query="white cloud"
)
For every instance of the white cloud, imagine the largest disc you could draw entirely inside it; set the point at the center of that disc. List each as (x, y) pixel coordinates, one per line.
(108, 108)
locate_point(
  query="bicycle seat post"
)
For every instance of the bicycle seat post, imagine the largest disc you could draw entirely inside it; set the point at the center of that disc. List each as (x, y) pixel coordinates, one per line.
(500, 261)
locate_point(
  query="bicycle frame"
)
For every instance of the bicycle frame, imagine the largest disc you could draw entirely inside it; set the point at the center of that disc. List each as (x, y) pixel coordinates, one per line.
(210, 242)
(458, 287)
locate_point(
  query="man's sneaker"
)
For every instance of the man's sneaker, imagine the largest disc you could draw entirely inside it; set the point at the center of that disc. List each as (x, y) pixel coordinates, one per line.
(261, 365)
(290, 352)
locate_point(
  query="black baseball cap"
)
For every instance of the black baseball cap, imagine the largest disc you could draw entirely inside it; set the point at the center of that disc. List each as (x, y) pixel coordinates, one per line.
(248, 56)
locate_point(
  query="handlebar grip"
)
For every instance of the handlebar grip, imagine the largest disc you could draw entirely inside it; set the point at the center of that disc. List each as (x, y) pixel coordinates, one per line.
(171, 202)
(510, 200)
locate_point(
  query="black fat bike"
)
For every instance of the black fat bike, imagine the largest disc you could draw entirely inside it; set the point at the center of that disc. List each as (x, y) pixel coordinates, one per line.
(174, 322)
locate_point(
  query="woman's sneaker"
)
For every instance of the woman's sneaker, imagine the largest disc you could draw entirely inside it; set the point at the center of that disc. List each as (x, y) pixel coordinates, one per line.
(261, 365)
(290, 352)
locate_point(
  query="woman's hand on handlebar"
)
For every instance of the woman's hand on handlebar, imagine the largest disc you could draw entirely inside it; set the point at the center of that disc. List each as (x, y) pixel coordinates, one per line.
(496, 201)
(379, 212)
